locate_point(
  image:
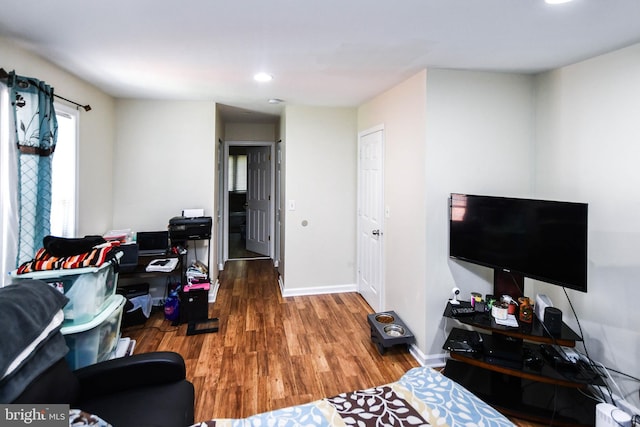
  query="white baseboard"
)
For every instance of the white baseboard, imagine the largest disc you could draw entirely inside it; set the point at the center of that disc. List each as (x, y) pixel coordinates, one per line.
(281, 284)
(213, 292)
(318, 290)
(430, 360)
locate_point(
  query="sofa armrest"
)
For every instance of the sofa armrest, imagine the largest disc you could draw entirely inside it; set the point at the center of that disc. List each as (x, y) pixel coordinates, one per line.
(138, 370)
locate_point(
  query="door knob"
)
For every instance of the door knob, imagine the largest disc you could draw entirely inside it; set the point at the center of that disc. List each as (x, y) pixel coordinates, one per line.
(376, 233)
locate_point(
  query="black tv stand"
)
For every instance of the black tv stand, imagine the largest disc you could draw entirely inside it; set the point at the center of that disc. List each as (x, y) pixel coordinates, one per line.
(507, 368)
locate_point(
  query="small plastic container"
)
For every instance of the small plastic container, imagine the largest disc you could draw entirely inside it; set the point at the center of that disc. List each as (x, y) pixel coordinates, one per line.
(88, 288)
(95, 341)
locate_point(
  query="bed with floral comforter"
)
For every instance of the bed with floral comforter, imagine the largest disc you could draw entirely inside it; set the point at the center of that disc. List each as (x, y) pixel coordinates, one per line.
(422, 397)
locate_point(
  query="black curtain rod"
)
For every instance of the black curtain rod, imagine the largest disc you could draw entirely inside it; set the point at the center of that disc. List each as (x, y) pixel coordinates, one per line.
(85, 107)
(4, 75)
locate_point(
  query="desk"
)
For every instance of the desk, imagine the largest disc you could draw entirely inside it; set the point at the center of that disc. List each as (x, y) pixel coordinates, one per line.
(140, 274)
(140, 271)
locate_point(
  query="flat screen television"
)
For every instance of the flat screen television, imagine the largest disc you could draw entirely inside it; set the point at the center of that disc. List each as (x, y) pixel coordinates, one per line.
(540, 239)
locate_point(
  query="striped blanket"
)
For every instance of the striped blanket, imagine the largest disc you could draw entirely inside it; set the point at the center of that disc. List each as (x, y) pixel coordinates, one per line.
(44, 260)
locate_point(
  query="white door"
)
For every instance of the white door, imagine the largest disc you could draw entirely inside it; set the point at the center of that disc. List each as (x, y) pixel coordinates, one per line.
(371, 216)
(258, 199)
(222, 204)
(278, 215)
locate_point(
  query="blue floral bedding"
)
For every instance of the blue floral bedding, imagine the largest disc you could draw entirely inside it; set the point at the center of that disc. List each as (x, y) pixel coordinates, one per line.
(421, 397)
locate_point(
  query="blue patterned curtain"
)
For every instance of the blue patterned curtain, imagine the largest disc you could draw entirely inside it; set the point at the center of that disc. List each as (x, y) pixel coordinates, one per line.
(36, 132)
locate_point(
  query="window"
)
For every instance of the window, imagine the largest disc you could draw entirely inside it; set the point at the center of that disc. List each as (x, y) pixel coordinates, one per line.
(238, 172)
(64, 174)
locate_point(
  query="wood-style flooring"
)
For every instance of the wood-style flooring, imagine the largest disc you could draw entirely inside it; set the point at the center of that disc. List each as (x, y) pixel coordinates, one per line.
(238, 250)
(272, 352)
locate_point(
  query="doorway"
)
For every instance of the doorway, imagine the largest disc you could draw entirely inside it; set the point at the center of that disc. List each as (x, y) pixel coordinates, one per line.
(370, 221)
(248, 186)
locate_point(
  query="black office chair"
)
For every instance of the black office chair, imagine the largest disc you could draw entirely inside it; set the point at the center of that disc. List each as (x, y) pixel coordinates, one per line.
(148, 389)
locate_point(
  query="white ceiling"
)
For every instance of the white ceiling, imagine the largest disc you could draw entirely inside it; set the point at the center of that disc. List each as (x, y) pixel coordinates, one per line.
(325, 53)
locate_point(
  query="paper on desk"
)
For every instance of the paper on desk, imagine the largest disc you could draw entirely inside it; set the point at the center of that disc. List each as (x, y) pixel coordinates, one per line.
(509, 321)
(162, 265)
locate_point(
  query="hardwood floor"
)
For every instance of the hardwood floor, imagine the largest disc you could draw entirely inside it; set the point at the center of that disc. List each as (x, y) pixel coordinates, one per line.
(237, 248)
(273, 352)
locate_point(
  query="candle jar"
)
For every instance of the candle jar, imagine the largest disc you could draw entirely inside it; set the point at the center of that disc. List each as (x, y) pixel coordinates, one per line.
(526, 311)
(510, 303)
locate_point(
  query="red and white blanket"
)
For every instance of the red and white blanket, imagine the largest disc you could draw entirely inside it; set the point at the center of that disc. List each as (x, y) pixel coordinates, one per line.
(44, 260)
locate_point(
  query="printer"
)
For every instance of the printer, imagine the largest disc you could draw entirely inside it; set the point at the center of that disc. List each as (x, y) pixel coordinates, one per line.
(185, 228)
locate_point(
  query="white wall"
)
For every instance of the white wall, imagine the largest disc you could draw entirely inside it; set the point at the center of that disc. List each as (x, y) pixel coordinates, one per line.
(321, 179)
(445, 131)
(402, 111)
(263, 132)
(588, 117)
(164, 162)
(479, 141)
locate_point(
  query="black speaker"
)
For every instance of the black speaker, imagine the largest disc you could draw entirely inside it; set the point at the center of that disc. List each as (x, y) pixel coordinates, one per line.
(194, 305)
(553, 320)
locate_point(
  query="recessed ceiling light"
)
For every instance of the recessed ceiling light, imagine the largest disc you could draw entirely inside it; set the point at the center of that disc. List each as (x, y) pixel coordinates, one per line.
(263, 77)
(275, 101)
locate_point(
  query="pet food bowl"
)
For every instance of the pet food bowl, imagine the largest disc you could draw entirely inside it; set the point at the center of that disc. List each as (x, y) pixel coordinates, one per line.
(385, 318)
(394, 330)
